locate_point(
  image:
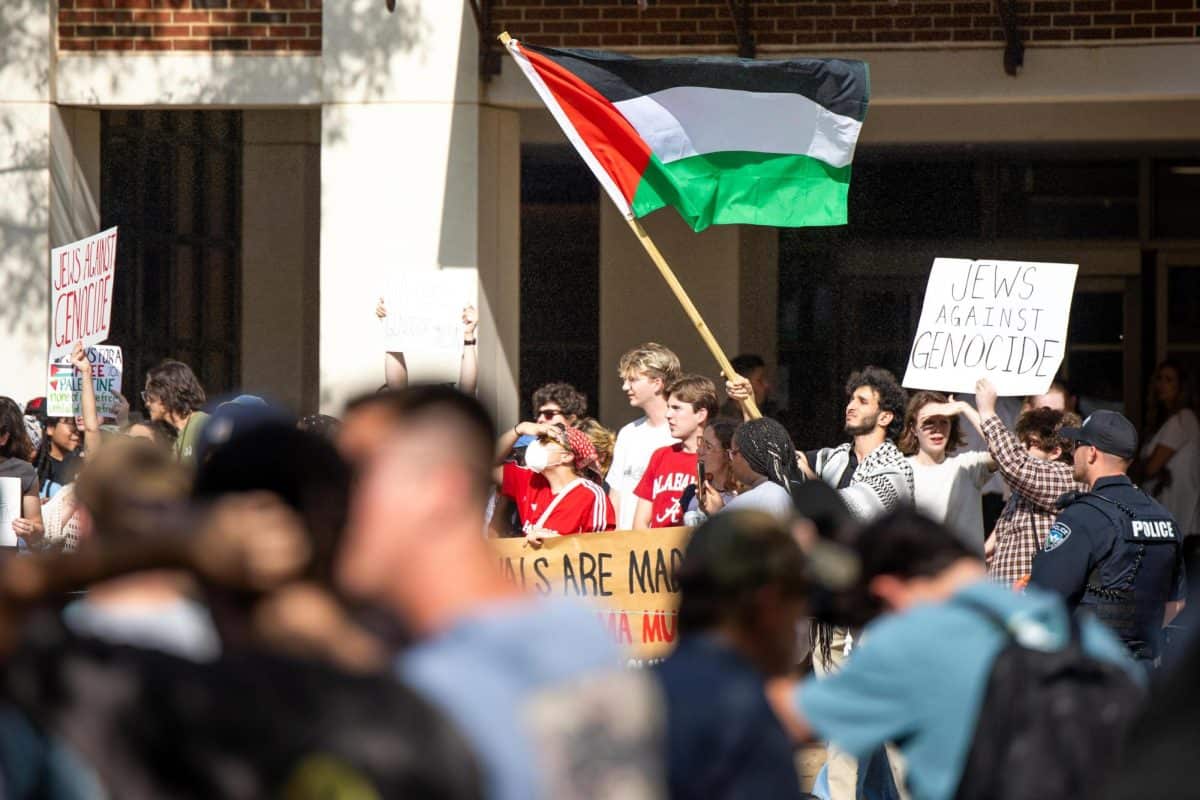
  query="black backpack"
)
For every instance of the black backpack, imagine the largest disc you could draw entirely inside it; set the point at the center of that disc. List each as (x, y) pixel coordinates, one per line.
(1051, 723)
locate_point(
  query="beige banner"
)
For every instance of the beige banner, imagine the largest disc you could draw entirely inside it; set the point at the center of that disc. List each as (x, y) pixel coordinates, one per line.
(630, 575)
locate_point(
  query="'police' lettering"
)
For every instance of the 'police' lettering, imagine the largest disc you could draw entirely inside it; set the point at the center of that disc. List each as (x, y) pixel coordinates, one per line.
(1158, 529)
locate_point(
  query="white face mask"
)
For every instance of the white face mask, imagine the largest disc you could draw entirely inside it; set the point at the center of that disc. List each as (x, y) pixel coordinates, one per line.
(537, 457)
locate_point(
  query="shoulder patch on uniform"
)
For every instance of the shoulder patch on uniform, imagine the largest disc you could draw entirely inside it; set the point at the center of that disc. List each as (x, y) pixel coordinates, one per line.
(1058, 534)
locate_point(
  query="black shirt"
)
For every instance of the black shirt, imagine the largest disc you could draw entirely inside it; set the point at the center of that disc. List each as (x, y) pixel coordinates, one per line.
(61, 473)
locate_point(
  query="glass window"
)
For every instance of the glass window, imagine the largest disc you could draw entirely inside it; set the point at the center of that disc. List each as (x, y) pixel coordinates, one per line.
(1177, 199)
(1068, 199)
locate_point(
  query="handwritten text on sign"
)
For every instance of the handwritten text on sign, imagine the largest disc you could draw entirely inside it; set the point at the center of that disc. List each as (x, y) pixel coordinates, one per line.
(81, 277)
(424, 320)
(65, 384)
(1006, 320)
(629, 575)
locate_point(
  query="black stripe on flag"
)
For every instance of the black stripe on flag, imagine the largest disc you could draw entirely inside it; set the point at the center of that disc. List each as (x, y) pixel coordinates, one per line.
(837, 84)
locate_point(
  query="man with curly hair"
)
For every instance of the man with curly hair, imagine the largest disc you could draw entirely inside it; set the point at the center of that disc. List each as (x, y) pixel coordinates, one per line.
(869, 472)
(174, 394)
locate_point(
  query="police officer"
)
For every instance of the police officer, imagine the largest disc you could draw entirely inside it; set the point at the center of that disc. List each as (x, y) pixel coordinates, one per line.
(1114, 550)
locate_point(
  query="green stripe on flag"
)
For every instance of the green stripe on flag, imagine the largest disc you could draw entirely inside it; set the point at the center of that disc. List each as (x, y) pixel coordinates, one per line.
(787, 191)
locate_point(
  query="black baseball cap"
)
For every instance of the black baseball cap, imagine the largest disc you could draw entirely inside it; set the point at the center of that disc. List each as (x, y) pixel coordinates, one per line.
(1108, 432)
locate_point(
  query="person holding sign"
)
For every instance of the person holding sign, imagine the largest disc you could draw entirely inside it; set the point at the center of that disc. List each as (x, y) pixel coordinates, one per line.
(948, 488)
(558, 491)
(20, 508)
(691, 403)
(1035, 462)
(395, 368)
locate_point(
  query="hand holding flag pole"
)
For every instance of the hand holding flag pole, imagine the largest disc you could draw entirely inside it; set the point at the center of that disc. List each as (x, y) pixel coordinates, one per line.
(623, 206)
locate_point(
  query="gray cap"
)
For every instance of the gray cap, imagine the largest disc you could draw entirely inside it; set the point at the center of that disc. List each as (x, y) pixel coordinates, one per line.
(1108, 432)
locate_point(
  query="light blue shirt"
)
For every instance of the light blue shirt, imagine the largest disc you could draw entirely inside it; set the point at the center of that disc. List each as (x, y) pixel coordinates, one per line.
(487, 669)
(919, 677)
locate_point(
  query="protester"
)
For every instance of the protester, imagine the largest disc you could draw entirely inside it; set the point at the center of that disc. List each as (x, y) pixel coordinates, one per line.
(564, 720)
(946, 488)
(691, 403)
(1035, 462)
(15, 467)
(742, 591)
(558, 404)
(937, 668)
(763, 460)
(149, 609)
(1114, 551)
(173, 394)
(1170, 460)
(645, 372)
(395, 368)
(558, 491)
(754, 369)
(871, 474)
(714, 454)
(603, 440)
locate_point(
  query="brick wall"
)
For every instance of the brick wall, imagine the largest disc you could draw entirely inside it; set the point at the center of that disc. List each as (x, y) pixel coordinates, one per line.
(670, 24)
(190, 25)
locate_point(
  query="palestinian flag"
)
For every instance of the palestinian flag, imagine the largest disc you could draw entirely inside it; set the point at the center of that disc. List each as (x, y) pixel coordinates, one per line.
(722, 140)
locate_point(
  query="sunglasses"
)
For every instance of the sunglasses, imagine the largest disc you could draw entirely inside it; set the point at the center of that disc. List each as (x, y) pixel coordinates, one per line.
(549, 413)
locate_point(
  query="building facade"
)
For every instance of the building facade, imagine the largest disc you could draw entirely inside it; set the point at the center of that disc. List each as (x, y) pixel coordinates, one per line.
(273, 163)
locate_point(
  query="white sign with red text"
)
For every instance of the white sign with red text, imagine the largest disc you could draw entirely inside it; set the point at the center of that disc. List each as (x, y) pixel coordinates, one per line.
(81, 297)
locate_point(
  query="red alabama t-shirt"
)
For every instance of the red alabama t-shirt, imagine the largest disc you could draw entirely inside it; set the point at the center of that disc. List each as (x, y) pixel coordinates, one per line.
(668, 473)
(584, 509)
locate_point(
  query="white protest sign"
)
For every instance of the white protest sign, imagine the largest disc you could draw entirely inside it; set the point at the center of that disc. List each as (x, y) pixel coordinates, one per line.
(10, 509)
(64, 384)
(81, 278)
(424, 320)
(1006, 320)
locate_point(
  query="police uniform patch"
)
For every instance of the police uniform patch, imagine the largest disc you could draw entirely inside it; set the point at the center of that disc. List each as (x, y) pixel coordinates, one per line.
(1058, 534)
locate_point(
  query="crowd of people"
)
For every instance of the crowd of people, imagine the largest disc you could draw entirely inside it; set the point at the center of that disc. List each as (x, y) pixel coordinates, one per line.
(221, 600)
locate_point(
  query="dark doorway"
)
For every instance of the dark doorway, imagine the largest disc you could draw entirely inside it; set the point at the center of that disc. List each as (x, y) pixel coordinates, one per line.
(172, 181)
(560, 272)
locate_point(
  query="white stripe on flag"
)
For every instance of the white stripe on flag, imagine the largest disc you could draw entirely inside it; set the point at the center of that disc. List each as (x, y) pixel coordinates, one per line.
(686, 121)
(564, 122)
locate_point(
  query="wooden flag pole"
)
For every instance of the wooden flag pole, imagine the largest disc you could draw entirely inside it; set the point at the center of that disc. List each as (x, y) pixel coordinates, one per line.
(681, 294)
(690, 309)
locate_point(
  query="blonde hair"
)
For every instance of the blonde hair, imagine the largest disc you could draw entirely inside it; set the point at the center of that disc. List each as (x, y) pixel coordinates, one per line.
(654, 360)
(603, 440)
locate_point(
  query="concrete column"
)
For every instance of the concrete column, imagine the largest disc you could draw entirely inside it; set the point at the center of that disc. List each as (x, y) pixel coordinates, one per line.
(400, 171)
(281, 219)
(26, 42)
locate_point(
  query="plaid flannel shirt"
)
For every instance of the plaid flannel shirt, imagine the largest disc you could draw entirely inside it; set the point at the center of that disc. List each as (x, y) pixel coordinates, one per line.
(1036, 485)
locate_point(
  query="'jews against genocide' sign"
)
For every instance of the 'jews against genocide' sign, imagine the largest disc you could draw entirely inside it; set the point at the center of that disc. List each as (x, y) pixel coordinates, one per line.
(65, 385)
(628, 575)
(1004, 320)
(81, 280)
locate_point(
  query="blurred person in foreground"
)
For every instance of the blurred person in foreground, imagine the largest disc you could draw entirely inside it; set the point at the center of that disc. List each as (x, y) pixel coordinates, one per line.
(290, 708)
(987, 693)
(535, 683)
(120, 492)
(743, 591)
